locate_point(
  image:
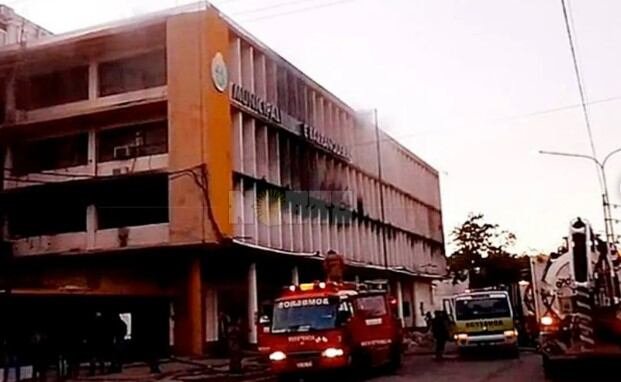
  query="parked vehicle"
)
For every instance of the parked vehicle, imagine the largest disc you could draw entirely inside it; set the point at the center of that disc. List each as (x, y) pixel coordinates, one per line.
(331, 325)
(483, 318)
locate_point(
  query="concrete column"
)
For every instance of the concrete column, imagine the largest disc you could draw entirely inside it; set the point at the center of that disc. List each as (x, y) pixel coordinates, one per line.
(295, 275)
(189, 313)
(91, 226)
(253, 303)
(399, 300)
(93, 81)
(10, 97)
(211, 314)
(92, 153)
(8, 165)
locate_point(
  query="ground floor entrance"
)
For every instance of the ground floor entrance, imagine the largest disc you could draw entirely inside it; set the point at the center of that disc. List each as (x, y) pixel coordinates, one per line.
(182, 303)
(80, 328)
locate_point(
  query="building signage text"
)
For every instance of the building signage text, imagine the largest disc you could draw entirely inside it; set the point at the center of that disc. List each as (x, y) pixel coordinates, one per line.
(324, 142)
(255, 103)
(272, 112)
(303, 302)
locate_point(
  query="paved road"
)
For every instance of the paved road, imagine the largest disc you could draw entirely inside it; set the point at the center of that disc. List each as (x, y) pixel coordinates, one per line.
(527, 368)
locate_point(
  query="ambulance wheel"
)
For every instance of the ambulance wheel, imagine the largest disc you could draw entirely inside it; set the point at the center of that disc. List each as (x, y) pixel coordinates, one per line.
(395, 360)
(514, 352)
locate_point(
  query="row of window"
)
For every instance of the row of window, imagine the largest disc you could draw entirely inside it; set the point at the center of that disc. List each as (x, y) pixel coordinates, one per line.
(290, 91)
(69, 151)
(67, 85)
(62, 208)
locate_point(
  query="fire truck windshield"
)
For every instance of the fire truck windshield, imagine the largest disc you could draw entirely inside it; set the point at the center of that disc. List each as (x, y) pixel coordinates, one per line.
(302, 315)
(477, 308)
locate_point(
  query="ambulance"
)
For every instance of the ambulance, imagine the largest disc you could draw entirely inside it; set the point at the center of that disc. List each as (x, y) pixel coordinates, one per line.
(483, 318)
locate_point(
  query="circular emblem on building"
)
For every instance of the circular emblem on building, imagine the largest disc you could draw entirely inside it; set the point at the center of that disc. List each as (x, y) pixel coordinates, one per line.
(219, 72)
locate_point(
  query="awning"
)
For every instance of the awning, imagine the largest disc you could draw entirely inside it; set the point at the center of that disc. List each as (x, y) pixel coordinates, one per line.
(350, 263)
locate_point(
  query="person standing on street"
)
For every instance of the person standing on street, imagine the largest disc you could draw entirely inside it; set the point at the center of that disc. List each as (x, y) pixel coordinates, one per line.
(224, 322)
(440, 331)
(119, 331)
(39, 350)
(14, 343)
(234, 337)
(97, 344)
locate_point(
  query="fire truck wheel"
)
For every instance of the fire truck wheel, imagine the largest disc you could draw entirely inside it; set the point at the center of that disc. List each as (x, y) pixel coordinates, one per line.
(360, 364)
(287, 378)
(551, 369)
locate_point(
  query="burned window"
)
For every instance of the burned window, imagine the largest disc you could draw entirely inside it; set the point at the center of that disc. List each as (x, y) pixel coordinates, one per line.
(55, 88)
(281, 88)
(132, 141)
(46, 210)
(134, 73)
(49, 154)
(131, 202)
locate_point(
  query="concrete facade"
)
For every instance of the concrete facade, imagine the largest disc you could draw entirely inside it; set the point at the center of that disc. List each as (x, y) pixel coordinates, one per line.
(15, 29)
(174, 158)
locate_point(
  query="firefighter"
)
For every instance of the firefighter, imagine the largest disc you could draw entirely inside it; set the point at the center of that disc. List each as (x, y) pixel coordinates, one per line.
(440, 331)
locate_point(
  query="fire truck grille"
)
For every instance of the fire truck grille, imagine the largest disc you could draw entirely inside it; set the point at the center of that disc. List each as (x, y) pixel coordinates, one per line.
(305, 355)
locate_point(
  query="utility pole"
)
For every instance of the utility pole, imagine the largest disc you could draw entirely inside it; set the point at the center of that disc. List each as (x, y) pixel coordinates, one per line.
(381, 188)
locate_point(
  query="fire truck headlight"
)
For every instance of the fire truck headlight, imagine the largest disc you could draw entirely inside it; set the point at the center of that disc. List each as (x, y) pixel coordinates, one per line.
(332, 353)
(547, 320)
(277, 356)
(511, 333)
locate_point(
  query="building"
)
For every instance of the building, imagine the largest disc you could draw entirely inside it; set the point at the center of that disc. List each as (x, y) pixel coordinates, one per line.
(15, 29)
(173, 167)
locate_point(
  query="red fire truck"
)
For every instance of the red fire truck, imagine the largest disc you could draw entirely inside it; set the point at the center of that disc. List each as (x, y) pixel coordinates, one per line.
(331, 325)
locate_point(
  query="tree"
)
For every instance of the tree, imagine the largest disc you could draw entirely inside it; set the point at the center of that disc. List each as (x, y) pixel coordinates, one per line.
(483, 254)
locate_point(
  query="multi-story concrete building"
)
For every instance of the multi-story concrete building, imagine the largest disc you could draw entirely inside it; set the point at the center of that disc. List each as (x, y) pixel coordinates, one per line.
(174, 167)
(16, 29)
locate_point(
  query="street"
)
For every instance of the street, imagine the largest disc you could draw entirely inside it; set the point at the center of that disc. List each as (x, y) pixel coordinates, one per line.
(526, 368)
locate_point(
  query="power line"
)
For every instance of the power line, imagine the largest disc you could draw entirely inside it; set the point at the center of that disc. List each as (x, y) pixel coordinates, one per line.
(502, 119)
(583, 102)
(325, 5)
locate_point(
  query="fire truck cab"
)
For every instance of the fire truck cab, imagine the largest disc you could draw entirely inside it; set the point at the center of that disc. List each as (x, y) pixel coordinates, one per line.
(330, 325)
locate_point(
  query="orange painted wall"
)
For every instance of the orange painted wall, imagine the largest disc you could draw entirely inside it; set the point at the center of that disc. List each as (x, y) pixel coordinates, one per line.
(199, 129)
(199, 140)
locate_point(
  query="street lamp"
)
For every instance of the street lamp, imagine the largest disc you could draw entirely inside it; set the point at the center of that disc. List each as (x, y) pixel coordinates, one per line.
(610, 237)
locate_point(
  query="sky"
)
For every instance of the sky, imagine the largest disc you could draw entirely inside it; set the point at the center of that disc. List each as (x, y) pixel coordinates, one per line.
(474, 87)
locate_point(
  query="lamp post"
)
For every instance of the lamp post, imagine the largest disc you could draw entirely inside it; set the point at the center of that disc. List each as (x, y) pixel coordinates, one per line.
(601, 165)
(608, 221)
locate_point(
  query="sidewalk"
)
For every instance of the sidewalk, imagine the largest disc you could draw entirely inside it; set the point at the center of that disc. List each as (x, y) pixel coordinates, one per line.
(185, 369)
(418, 344)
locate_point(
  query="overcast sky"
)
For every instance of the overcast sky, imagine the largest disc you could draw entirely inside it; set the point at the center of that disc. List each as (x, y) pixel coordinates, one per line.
(471, 86)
